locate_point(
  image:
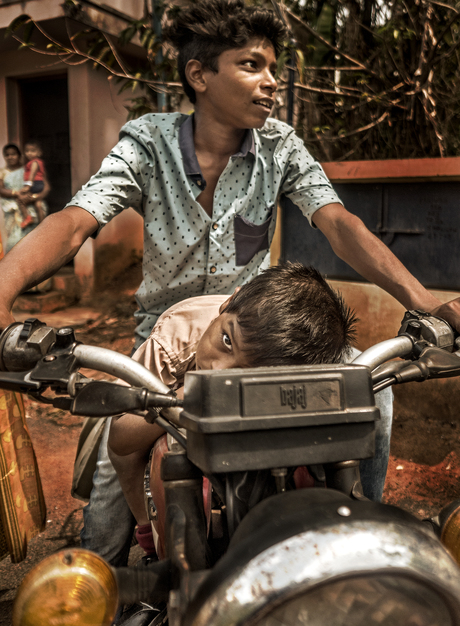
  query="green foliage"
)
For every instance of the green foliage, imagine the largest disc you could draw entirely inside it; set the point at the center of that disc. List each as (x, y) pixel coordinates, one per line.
(378, 79)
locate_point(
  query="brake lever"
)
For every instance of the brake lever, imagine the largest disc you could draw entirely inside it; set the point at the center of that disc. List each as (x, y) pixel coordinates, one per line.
(432, 363)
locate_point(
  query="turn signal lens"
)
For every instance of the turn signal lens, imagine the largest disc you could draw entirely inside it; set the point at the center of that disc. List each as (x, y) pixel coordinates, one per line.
(70, 588)
(449, 520)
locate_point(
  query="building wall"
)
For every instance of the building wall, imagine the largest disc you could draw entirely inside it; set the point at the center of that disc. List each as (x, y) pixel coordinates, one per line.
(51, 9)
(36, 9)
(96, 114)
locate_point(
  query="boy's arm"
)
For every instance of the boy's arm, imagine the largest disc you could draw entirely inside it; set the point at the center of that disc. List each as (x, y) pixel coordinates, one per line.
(26, 196)
(31, 176)
(33, 171)
(356, 245)
(39, 255)
(131, 433)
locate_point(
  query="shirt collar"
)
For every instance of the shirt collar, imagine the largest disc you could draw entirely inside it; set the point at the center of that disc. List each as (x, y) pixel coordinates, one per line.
(248, 145)
(187, 148)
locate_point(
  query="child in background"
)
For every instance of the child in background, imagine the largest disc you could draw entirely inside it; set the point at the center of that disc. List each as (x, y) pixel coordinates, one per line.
(34, 182)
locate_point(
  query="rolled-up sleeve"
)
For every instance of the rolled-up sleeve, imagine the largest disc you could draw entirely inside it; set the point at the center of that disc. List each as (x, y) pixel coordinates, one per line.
(152, 356)
(305, 182)
(119, 184)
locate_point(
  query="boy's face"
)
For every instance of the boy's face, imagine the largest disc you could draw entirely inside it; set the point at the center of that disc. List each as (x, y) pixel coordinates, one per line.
(222, 346)
(32, 152)
(240, 94)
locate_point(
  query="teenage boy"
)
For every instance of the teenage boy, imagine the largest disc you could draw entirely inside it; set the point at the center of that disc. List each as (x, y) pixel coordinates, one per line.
(288, 315)
(207, 187)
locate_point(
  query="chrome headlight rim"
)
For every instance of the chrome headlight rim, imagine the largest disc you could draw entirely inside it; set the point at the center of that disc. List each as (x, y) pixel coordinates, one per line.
(299, 563)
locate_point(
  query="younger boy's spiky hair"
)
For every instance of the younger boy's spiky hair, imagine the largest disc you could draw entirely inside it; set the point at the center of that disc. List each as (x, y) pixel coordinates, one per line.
(35, 143)
(289, 315)
(205, 29)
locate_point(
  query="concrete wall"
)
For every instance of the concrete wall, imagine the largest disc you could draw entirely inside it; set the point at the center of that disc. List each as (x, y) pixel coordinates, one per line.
(36, 9)
(51, 9)
(96, 114)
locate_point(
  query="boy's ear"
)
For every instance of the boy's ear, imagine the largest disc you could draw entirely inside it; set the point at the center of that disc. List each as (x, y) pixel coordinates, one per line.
(194, 73)
(225, 304)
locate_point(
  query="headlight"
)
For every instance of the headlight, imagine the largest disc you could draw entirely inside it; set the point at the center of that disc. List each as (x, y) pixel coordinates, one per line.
(316, 557)
(70, 588)
(363, 601)
(449, 521)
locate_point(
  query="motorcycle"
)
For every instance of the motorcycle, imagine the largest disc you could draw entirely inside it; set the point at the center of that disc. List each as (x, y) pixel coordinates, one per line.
(260, 549)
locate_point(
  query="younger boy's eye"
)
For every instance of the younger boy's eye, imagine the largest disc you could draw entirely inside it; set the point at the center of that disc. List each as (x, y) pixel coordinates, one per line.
(226, 341)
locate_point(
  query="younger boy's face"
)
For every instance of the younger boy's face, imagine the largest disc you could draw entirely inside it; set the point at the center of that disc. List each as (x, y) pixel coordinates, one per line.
(222, 346)
(240, 94)
(32, 152)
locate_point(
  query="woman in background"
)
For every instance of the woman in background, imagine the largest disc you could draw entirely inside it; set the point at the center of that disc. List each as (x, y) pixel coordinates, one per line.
(11, 183)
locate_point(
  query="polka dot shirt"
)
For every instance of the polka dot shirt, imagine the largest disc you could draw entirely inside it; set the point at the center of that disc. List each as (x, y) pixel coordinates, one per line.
(154, 169)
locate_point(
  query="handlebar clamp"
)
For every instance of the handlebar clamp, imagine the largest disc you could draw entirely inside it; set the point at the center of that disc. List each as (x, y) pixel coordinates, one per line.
(421, 326)
(23, 345)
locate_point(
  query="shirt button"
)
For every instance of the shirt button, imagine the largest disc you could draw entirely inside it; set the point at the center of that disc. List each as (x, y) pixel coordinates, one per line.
(213, 269)
(215, 226)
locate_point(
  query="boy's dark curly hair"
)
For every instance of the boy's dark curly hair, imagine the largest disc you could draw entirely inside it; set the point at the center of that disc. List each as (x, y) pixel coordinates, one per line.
(205, 29)
(289, 315)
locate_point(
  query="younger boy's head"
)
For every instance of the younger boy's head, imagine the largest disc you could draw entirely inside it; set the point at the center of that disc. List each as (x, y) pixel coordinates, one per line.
(288, 315)
(206, 29)
(32, 150)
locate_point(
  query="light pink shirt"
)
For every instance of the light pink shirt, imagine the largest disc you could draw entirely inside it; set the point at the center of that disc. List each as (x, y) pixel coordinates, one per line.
(169, 352)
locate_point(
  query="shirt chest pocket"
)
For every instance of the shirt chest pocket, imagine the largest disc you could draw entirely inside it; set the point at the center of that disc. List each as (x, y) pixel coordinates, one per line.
(250, 238)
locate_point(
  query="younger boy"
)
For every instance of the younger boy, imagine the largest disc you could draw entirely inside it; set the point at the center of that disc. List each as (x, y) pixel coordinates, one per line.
(288, 315)
(34, 183)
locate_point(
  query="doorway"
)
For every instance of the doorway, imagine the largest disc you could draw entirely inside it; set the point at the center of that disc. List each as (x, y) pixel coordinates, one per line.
(44, 106)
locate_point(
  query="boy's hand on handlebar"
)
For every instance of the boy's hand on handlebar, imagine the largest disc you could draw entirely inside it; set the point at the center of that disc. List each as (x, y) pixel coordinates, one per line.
(450, 311)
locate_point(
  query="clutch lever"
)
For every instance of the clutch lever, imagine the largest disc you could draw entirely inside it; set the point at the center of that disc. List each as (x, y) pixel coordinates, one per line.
(19, 381)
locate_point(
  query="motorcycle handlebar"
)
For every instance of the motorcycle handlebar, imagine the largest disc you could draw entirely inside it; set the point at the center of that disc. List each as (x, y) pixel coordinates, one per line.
(24, 347)
(384, 351)
(116, 364)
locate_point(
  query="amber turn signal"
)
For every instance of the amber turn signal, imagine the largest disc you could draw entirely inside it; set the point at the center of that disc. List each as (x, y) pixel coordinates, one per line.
(449, 522)
(73, 587)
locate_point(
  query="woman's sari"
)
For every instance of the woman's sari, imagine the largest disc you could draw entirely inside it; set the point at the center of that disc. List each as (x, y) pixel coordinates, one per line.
(12, 215)
(22, 505)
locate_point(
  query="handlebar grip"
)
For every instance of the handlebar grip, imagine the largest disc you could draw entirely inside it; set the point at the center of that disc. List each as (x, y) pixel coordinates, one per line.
(23, 345)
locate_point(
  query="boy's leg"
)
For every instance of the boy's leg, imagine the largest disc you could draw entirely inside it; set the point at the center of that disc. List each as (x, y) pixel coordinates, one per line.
(22, 207)
(373, 471)
(39, 211)
(108, 522)
(130, 471)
